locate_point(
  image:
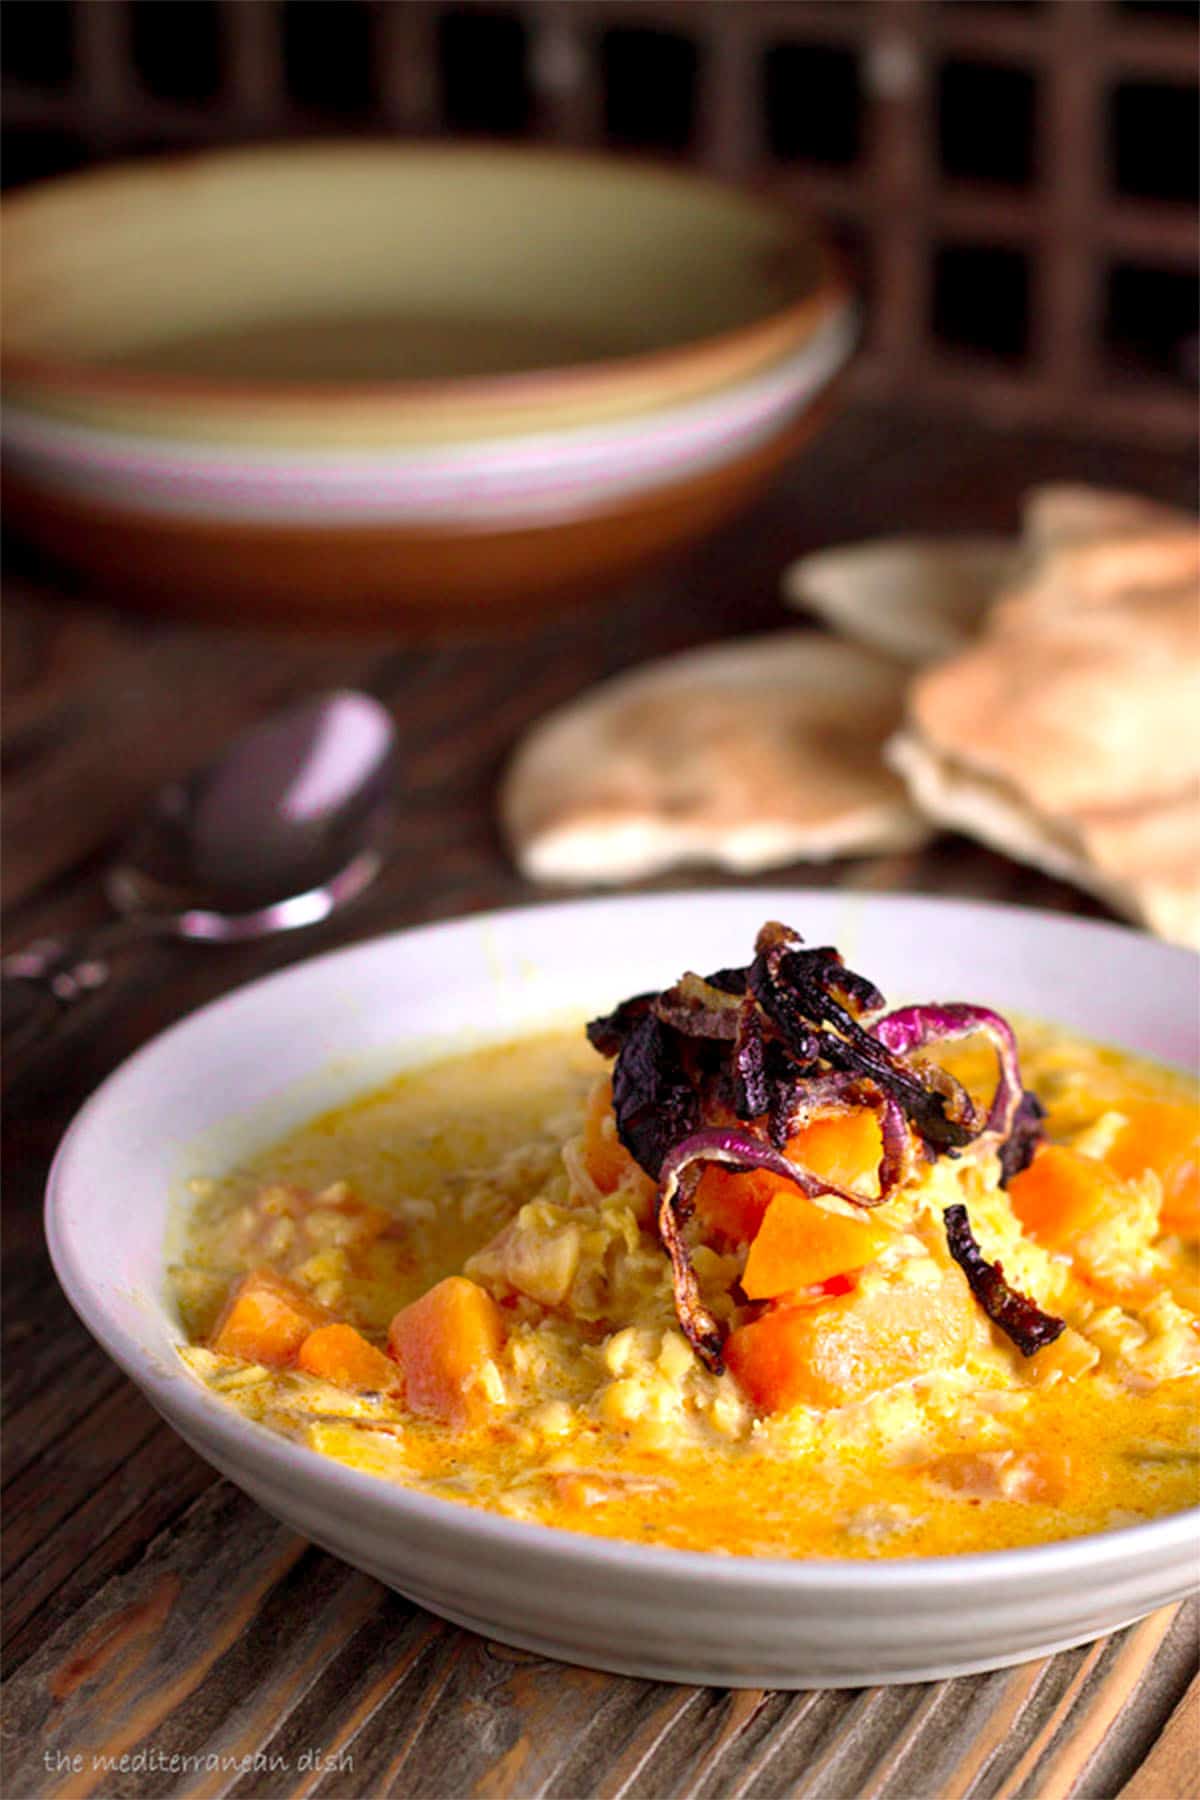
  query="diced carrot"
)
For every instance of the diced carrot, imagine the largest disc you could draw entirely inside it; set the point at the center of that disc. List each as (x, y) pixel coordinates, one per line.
(801, 1244)
(1062, 1194)
(1164, 1135)
(342, 1356)
(843, 1148)
(734, 1203)
(844, 1349)
(770, 1358)
(266, 1319)
(442, 1342)
(608, 1161)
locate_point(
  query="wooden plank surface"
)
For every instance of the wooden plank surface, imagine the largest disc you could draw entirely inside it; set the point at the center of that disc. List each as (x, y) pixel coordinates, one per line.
(155, 1614)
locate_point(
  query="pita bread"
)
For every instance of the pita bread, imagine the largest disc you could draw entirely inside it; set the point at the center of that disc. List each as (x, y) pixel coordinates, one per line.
(1055, 517)
(916, 599)
(1143, 861)
(1067, 733)
(1083, 690)
(748, 755)
(1151, 856)
(921, 599)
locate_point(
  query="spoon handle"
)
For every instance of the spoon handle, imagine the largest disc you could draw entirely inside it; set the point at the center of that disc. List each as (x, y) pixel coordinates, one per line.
(52, 975)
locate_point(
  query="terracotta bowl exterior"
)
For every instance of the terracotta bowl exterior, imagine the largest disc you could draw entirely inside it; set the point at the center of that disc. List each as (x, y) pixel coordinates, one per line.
(203, 411)
(330, 578)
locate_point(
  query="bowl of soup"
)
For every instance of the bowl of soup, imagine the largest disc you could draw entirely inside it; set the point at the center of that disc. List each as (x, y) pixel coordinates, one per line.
(884, 1371)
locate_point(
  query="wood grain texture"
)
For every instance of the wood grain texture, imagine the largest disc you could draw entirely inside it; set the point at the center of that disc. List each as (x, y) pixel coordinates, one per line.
(1171, 1766)
(155, 1613)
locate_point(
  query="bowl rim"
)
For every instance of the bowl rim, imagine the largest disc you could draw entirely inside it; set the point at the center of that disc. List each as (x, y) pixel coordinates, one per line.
(177, 1394)
(774, 331)
(778, 379)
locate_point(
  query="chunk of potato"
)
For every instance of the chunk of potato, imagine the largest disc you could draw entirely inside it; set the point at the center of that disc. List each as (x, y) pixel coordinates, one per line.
(442, 1342)
(844, 1349)
(537, 1254)
(266, 1319)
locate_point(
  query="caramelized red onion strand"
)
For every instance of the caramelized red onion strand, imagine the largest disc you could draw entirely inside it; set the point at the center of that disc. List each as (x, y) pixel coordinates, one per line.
(840, 1092)
(1019, 1318)
(794, 1035)
(910, 1028)
(719, 1144)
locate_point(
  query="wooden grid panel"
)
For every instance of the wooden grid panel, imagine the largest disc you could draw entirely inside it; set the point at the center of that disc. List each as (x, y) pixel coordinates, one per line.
(927, 240)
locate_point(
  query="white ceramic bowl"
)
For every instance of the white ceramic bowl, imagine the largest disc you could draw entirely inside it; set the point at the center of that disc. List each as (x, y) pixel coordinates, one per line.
(253, 1065)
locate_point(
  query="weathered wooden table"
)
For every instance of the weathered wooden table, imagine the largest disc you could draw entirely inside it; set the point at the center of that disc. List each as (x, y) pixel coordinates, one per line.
(166, 1637)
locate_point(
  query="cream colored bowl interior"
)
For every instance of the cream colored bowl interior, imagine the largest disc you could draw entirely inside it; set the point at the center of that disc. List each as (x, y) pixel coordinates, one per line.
(376, 263)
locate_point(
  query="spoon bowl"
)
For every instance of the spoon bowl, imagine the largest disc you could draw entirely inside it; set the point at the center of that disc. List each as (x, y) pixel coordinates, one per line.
(288, 824)
(285, 826)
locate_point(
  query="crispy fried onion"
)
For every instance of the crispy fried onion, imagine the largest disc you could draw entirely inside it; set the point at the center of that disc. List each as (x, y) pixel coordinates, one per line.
(1018, 1317)
(910, 1028)
(1016, 1152)
(1014, 1119)
(698, 1009)
(677, 1183)
(822, 1095)
(813, 1001)
(728, 1067)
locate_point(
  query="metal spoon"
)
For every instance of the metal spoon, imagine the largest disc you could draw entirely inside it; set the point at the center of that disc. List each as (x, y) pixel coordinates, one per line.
(285, 826)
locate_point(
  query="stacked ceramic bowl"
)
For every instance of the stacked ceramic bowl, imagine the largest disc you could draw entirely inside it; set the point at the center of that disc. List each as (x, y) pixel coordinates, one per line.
(382, 379)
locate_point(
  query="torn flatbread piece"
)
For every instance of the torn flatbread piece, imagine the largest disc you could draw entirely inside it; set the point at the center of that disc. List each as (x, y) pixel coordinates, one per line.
(917, 599)
(1066, 735)
(1142, 860)
(747, 755)
(1149, 856)
(1065, 513)
(1084, 689)
(922, 598)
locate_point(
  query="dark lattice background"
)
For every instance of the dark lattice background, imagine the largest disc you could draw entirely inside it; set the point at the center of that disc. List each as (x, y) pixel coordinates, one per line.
(1015, 180)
